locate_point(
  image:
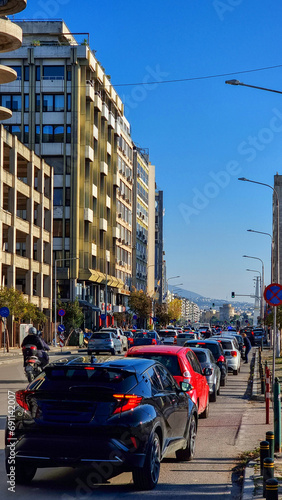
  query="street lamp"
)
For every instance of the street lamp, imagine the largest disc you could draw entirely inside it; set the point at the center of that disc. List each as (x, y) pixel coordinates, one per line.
(237, 82)
(267, 234)
(171, 278)
(262, 281)
(59, 260)
(277, 218)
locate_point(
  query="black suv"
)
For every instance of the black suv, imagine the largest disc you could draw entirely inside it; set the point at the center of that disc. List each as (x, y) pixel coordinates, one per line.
(127, 414)
(218, 355)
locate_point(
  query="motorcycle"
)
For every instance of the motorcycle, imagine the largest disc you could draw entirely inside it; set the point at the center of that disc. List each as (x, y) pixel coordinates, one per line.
(32, 364)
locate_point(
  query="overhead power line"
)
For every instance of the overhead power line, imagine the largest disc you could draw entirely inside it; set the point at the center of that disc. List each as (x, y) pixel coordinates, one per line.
(206, 77)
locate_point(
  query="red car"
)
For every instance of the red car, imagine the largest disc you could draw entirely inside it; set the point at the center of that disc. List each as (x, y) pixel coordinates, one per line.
(184, 366)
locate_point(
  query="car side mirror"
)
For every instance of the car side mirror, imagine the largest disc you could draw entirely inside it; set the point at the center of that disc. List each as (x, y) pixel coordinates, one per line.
(186, 386)
(207, 371)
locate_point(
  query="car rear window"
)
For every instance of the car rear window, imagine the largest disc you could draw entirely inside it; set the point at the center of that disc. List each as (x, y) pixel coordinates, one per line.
(201, 356)
(145, 335)
(169, 361)
(89, 377)
(186, 336)
(167, 333)
(226, 344)
(214, 348)
(100, 335)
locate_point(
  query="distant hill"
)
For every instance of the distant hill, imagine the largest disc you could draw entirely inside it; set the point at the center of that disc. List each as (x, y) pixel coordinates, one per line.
(206, 302)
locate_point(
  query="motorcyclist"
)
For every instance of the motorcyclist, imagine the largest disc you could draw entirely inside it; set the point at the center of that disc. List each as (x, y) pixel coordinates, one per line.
(33, 338)
(45, 357)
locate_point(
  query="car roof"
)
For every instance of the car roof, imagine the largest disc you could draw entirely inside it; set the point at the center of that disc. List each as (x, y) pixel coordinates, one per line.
(206, 341)
(136, 365)
(158, 349)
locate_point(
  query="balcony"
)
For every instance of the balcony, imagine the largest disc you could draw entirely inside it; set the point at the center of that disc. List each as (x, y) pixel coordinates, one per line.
(103, 224)
(98, 101)
(11, 7)
(5, 113)
(115, 180)
(89, 153)
(116, 232)
(10, 36)
(94, 249)
(95, 132)
(94, 191)
(7, 75)
(109, 148)
(103, 168)
(117, 129)
(111, 120)
(88, 215)
(108, 201)
(90, 92)
(105, 111)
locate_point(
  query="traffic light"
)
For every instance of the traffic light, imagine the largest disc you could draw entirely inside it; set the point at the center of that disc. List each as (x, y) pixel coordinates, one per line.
(233, 295)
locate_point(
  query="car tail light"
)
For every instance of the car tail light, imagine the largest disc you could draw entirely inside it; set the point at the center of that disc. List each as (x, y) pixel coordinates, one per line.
(126, 402)
(130, 340)
(221, 358)
(252, 333)
(175, 341)
(234, 354)
(21, 399)
(154, 342)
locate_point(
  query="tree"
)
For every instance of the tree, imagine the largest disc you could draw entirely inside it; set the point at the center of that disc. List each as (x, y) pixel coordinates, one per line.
(174, 309)
(161, 314)
(141, 304)
(74, 315)
(14, 300)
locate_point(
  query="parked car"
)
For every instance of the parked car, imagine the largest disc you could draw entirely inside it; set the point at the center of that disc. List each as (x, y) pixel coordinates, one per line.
(182, 337)
(184, 366)
(218, 354)
(206, 360)
(168, 336)
(231, 353)
(104, 341)
(146, 338)
(259, 336)
(119, 334)
(125, 413)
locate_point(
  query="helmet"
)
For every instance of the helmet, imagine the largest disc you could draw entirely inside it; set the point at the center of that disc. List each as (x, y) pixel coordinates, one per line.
(32, 330)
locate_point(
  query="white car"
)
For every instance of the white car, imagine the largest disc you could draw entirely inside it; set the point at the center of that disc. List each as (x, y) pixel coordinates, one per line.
(119, 335)
(231, 353)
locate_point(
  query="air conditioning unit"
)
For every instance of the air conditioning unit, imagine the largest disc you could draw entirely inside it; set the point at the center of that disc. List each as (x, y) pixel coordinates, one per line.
(119, 240)
(120, 262)
(119, 215)
(143, 217)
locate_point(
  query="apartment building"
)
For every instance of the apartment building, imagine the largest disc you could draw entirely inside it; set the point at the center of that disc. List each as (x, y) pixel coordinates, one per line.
(66, 110)
(140, 222)
(26, 206)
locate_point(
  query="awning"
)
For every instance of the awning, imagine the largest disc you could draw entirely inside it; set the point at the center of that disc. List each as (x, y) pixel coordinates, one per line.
(84, 303)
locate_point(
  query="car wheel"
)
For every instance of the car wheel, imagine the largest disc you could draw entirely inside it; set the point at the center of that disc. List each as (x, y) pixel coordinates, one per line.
(113, 352)
(188, 453)
(30, 377)
(146, 478)
(213, 395)
(205, 413)
(24, 473)
(235, 372)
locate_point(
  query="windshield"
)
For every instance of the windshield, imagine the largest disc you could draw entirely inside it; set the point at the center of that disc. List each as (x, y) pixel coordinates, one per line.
(100, 335)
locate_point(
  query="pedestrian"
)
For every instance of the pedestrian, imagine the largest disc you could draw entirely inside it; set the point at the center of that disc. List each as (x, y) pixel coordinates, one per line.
(247, 345)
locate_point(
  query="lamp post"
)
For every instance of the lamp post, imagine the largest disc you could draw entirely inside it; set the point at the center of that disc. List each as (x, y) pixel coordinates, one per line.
(255, 271)
(267, 234)
(59, 260)
(262, 281)
(171, 278)
(237, 82)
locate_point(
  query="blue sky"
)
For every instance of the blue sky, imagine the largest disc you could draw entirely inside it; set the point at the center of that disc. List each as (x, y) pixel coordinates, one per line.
(202, 134)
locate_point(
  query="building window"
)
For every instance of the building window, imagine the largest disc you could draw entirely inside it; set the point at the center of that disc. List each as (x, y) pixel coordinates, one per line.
(68, 138)
(26, 103)
(18, 69)
(48, 103)
(58, 197)
(37, 102)
(58, 133)
(58, 228)
(37, 134)
(26, 134)
(13, 102)
(26, 73)
(53, 102)
(67, 201)
(14, 129)
(67, 228)
(53, 72)
(53, 133)
(69, 73)
(38, 73)
(69, 102)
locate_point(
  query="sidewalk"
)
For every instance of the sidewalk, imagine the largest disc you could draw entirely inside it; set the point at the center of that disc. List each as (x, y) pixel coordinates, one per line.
(257, 428)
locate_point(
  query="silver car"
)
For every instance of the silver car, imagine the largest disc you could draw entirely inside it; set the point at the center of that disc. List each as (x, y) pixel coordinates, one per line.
(119, 334)
(182, 337)
(231, 352)
(206, 359)
(104, 342)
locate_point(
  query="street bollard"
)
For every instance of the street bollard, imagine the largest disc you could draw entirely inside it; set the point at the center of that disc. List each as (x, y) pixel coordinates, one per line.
(268, 472)
(264, 453)
(267, 394)
(277, 415)
(271, 489)
(269, 437)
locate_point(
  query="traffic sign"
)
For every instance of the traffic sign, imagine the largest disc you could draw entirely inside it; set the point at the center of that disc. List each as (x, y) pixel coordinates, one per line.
(61, 312)
(4, 312)
(61, 328)
(134, 316)
(62, 340)
(273, 294)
